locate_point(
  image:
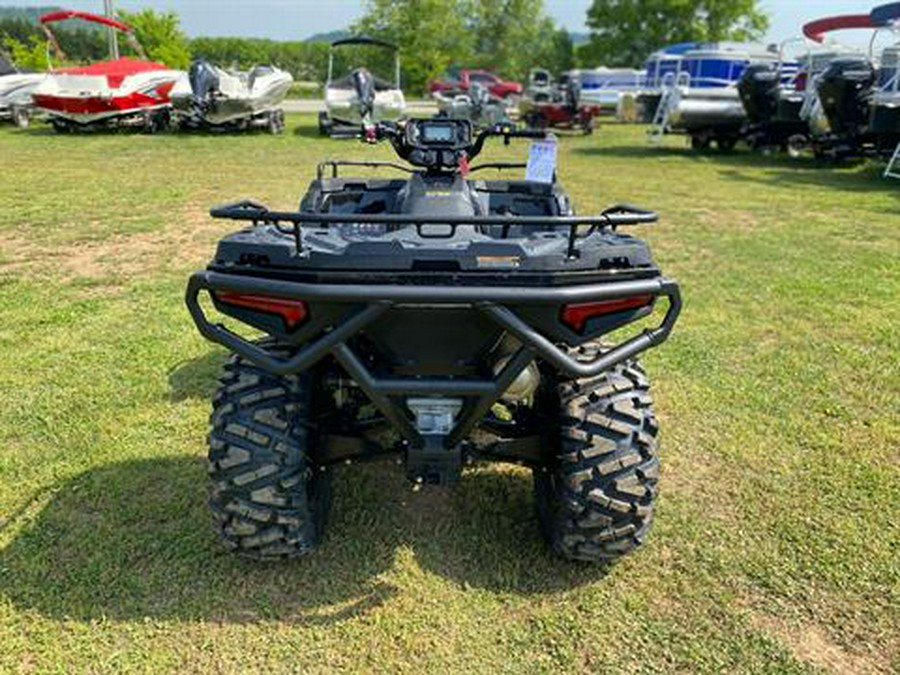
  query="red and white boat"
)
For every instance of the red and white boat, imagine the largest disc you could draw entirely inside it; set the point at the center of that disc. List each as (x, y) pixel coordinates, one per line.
(115, 92)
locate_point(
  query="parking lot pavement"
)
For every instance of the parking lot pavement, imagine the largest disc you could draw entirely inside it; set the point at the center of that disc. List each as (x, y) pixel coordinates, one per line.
(315, 105)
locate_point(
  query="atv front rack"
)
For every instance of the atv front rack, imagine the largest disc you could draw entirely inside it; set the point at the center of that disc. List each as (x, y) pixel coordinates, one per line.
(610, 219)
(368, 303)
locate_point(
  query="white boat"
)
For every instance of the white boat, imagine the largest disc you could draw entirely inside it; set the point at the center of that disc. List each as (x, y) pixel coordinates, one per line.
(210, 97)
(360, 99)
(609, 87)
(119, 91)
(15, 92)
(477, 105)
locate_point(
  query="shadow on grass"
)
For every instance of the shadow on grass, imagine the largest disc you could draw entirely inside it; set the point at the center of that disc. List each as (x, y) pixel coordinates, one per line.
(198, 377)
(308, 131)
(783, 170)
(133, 540)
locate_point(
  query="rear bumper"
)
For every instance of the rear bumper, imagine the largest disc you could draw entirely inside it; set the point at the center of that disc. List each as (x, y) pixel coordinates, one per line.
(373, 301)
(498, 303)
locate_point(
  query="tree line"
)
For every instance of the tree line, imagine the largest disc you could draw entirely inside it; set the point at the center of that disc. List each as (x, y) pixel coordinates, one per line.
(507, 36)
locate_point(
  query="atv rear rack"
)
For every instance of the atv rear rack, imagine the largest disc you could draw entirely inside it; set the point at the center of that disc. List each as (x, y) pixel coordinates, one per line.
(610, 219)
(367, 303)
(333, 167)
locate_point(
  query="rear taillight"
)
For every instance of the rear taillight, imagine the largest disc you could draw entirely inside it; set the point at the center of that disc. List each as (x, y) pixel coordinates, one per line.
(294, 312)
(576, 316)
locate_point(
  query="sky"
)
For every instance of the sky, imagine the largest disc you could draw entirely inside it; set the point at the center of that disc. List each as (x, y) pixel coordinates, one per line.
(298, 19)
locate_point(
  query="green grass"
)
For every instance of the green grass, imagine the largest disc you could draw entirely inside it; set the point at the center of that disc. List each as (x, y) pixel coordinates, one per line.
(776, 546)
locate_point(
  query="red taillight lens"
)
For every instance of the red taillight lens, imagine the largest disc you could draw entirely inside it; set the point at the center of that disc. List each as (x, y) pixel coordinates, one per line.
(576, 316)
(294, 312)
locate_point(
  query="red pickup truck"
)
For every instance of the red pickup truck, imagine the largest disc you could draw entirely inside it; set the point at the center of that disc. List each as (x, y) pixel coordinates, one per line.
(466, 78)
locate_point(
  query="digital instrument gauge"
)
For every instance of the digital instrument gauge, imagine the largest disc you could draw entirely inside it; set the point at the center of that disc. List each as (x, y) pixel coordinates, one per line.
(438, 133)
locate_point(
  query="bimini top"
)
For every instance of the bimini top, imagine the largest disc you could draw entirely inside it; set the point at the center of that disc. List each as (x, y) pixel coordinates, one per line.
(882, 16)
(66, 14)
(886, 15)
(815, 30)
(362, 40)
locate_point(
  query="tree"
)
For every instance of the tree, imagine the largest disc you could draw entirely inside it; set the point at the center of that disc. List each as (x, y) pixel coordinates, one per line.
(30, 55)
(79, 41)
(507, 36)
(625, 32)
(431, 34)
(562, 54)
(160, 35)
(513, 36)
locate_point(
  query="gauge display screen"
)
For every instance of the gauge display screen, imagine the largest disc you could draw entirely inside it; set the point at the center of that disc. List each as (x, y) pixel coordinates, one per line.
(438, 133)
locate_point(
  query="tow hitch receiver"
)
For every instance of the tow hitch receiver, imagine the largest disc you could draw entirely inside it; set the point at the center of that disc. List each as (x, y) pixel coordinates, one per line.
(432, 462)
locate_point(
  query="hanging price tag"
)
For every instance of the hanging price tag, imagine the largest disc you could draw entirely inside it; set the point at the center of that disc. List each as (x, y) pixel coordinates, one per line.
(542, 161)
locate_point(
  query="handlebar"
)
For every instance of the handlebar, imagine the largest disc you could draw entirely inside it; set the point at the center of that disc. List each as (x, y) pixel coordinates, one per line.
(436, 156)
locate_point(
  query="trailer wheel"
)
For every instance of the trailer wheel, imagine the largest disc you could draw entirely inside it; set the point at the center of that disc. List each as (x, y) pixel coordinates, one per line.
(535, 120)
(587, 126)
(61, 127)
(268, 497)
(796, 144)
(276, 122)
(700, 143)
(595, 499)
(21, 117)
(156, 121)
(324, 124)
(726, 145)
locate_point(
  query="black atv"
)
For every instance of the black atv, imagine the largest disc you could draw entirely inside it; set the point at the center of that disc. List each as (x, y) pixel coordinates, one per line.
(442, 318)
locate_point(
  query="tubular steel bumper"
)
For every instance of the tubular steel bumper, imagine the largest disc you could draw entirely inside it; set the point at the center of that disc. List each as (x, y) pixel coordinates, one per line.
(497, 303)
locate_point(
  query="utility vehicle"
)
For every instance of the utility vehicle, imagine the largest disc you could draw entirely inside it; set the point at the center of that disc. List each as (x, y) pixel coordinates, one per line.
(566, 109)
(441, 318)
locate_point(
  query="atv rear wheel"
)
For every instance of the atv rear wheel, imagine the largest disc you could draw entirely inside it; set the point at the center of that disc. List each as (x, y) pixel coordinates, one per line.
(268, 498)
(595, 500)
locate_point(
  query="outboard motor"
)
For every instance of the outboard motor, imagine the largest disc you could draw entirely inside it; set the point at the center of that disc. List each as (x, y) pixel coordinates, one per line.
(204, 81)
(364, 85)
(572, 94)
(759, 87)
(845, 90)
(479, 97)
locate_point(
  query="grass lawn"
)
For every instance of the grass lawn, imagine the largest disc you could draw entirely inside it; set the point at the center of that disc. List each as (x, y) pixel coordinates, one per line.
(777, 541)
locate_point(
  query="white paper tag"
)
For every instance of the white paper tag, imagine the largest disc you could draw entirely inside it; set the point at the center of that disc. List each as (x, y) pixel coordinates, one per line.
(541, 161)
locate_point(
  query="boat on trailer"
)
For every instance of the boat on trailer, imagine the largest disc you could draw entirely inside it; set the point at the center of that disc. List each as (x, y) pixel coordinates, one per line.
(360, 98)
(701, 99)
(609, 89)
(208, 97)
(15, 92)
(118, 92)
(660, 71)
(884, 122)
(780, 99)
(859, 99)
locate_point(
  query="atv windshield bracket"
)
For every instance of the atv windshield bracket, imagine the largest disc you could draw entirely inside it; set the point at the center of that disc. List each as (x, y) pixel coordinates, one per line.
(388, 393)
